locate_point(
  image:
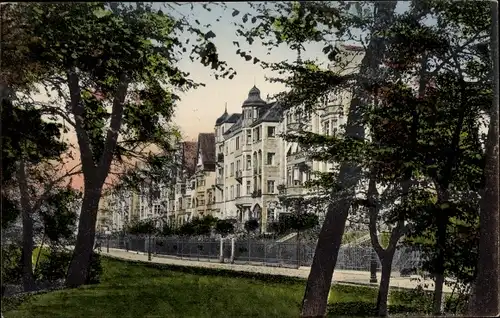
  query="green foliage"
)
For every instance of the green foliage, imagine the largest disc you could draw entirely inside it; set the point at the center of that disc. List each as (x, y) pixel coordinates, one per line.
(118, 49)
(167, 230)
(26, 135)
(198, 226)
(9, 211)
(59, 214)
(142, 227)
(224, 227)
(11, 264)
(251, 225)
(55, 266)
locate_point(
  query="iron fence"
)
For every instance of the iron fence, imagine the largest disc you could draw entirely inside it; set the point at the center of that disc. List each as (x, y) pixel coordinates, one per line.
(258, 252)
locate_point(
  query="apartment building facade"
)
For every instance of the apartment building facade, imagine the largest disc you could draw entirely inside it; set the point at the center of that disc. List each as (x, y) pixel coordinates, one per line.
(328, 118)
(247, 161)
(243, 169)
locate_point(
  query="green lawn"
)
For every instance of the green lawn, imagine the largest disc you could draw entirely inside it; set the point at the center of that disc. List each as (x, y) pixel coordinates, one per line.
(131, 289)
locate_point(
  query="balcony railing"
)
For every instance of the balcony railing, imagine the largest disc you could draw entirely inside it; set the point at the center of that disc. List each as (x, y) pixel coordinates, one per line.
(257, 194)
(220, 157)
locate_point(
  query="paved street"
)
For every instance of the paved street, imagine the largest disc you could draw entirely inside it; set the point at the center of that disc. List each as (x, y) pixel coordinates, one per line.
(344, 276)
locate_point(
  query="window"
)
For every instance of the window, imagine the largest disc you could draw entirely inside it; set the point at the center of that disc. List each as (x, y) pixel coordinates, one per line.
(326, 128)
(270, 158)
(232, 169)
(237, 143)
(249, 136)
(238, 164)
(256, 134)
(227, 150)
(270, 186)
(232, 193)
(249, 162)
(238, 191)
(271, 132)
(249, 187)
(225, 197)
(289, 176)
(156, 209)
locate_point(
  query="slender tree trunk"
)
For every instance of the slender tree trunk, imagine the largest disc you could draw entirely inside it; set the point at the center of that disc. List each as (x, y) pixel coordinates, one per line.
(437, 303)
(80, 262)
(315, 299)
(485, 298)
(39, 252)
(385, 277)
(27, 253)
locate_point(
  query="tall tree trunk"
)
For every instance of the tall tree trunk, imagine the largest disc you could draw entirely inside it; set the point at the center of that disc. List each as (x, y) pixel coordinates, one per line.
(437, 303)
(485, 298)
(385, 277)
(27, 253)
(315, 299)
(80, 263)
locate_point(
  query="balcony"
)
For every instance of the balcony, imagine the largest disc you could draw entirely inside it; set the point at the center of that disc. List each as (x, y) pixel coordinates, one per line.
(293, 126)
(220, 157)
(239, 176)
(281, 189)
(219, 182)
(257, 194)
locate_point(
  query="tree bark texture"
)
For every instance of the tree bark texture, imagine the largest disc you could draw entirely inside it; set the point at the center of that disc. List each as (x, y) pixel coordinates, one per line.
(485, 299)
(385, 278)
(315, 299)
(80, 263)
(27, 221)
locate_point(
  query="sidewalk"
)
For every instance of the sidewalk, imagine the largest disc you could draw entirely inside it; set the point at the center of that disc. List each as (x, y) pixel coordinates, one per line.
(340, 276)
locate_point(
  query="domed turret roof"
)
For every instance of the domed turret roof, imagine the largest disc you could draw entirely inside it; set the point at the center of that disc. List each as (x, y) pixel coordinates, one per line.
(254, 98)
(222, 118)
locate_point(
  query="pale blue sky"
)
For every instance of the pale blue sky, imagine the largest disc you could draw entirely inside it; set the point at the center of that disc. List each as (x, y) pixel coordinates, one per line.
(198, 109)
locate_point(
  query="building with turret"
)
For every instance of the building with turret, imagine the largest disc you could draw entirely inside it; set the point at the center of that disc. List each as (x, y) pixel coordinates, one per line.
(247, 161)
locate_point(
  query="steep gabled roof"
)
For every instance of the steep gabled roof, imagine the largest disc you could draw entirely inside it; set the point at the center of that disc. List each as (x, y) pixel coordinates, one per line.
(189, 154)
(271, 115)
(233, 118)
(206, 148)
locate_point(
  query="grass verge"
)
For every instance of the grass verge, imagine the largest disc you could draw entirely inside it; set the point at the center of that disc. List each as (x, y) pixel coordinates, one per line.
(134, 289)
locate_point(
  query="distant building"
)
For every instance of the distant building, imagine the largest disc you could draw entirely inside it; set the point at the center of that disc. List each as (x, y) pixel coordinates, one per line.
(248, 161)
(243, 169)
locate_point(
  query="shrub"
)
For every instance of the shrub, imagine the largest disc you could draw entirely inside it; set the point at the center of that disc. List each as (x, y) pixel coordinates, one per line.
(11, 264)
(251, 225)
(54, 267)
(224, 227)
(95, 271)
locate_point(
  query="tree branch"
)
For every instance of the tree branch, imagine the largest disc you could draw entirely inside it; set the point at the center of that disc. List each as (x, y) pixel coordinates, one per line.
(78, 111)
(114, 129)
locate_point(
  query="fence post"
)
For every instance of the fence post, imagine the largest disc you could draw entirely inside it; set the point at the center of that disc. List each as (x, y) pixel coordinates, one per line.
(149, 247)
(221, 250)
(232, 250)
(265, 253)
(298, 249)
